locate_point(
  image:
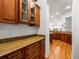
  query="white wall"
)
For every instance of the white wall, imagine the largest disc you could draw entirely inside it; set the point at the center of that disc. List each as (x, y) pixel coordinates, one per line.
(75, 29)
(44, 20)
(10, 30)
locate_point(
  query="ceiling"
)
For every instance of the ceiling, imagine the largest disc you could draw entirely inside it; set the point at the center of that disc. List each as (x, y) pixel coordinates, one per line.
(59, 6)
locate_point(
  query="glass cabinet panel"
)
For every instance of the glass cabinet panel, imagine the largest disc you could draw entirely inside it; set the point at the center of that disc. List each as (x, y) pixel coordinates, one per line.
(24, 9)
(32, 10)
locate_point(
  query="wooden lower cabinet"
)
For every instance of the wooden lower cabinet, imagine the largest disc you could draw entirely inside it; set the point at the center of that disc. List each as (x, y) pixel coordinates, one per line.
(63, 36)
(42, 49)
(16, 55)
(35, 56)
(3, 58)
(66, 38)
(33, 51)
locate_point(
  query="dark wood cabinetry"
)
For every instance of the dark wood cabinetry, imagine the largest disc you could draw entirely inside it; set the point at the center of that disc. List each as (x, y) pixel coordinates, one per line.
(35, 16)
(66, 38)
(35, 56)
(25, 11)
(33, 51)
(0, 9)
(3, 57)
(9, 11)
(54, 36)
(63, 36)
(20, 11)
(15, 55)
(42, 49)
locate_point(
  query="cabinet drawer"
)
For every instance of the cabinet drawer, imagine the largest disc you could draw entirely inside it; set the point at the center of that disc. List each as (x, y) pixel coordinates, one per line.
(35, 56)
(32, 49)
(15, 55)
(3, 58)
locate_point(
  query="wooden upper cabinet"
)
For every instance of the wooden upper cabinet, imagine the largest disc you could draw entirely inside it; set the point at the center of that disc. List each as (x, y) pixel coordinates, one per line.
(0, 9)
(25, 12)
(9, 9)
(35, 15)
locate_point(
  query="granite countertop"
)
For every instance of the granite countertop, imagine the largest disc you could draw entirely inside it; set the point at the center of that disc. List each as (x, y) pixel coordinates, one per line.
(11, 46)
(62, 32)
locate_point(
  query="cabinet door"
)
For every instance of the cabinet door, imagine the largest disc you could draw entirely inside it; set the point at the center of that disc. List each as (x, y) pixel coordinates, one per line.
(16, 55)
(24, 10)
(32, 49)
(37, 15)
(0, 9)
(54, 36)
(35, 56)
(42, 49)
(70, 38)
(3, 58)
(25, 53)
(9, 10)
(62, 36)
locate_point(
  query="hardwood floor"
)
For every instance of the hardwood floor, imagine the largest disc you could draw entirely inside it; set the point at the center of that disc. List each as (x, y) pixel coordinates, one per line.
(60, 50)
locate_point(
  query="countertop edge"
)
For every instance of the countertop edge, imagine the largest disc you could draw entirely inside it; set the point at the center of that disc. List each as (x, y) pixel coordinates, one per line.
(19, 37)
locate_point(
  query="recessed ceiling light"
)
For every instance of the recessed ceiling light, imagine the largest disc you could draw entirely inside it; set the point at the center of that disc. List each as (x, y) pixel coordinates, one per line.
(68, 7)
(51, 16)
(57, 13)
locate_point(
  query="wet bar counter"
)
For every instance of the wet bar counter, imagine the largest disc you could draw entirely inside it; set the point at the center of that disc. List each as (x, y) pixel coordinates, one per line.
(27, 48)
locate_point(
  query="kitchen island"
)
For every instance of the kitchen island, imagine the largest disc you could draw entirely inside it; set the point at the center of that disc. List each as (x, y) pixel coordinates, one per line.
(61, 35)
